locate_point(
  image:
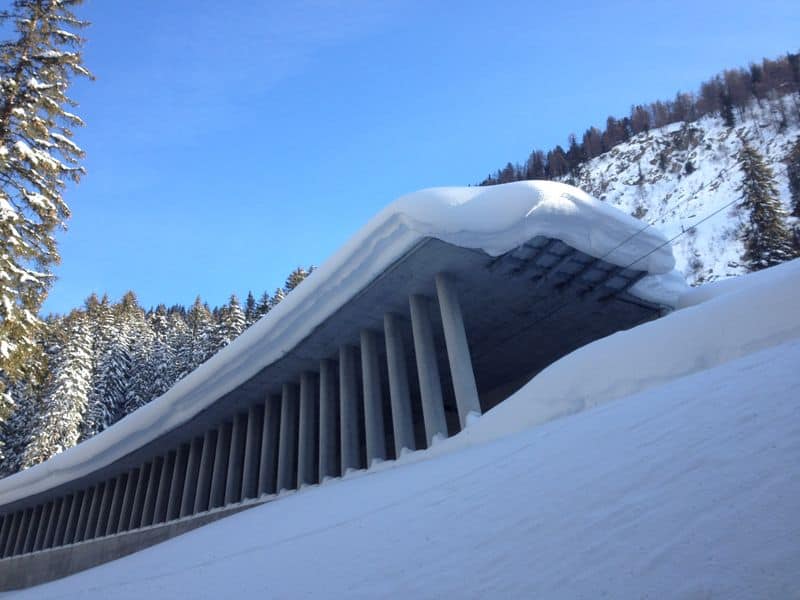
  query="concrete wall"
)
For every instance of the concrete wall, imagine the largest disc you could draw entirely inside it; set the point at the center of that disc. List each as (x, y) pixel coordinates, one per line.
(46, 565)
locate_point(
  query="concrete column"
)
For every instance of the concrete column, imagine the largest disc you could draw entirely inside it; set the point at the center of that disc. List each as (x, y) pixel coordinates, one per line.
(252, 451)
(455, 336)
(348, 409)
(190, 481)
(8, 550)
(38, 540)
(328, 411)
(220, 471)
(201, 498)
(307, 446)
(131, 484)
(105, 508)
(116, 504)
(94, 511)
(402, 423)
(151, 493)
(164, 485)
(50, 534)
(287, 450)
(176, 484)
(373, 398)
(7, 520)
(83, 515)
(430, 385)
(19, 543)
(31, 533)
(270, 431)
(61, 522)
(233, 482)
(72, 518)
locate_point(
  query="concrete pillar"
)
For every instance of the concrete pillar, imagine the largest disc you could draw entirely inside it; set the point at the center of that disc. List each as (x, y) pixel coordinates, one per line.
(287, 450)
(348, 409)
(328, 411)
(270, 431)
(164, 485)
(72, 518)
(7, 520)
(8, 550)
(31, 533)
(38, 540)
(430, 385)
(131, 483)
(307, 446)
(203, 493)
(151, 493)
(137, 507)
(252, 451)
(50, 533)
(94, 511)
(19, 543)
(402, 423)
(116, 504)
(218, 475)
(83, 515)
(455, 336)
(192, 473)
(104, 509)
(373, 398)
(61, 521)
(177, 481)
(233, 482)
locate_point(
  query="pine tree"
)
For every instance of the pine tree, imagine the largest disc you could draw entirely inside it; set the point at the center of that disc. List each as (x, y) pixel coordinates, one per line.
(767, 240)
(58, 423)
(232, 322)
(294, 279)
(37, 159)
(793, 172)
(250, 313)
(264, 304)
(276, 298)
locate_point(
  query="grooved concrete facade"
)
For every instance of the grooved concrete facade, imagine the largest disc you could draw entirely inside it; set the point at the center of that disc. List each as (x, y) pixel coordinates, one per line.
(436, 338)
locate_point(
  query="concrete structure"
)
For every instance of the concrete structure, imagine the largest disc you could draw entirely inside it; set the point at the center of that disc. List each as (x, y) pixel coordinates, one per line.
(445, 332)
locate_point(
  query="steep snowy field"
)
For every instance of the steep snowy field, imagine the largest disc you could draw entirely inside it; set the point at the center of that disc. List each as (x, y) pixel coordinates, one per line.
(687, 488)
(650, 177)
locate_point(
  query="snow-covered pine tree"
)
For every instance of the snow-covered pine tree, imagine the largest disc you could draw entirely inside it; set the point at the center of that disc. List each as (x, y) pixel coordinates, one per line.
(37, 159)
(231, 324)
(201, 327)
(276, 298)
(767, 239)
(250, 314)
(62, 411)
(295, 278)
(793, 174)
(264, 304)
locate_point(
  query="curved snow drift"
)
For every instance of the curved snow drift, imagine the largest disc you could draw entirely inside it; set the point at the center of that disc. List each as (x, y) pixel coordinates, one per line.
(495, 220)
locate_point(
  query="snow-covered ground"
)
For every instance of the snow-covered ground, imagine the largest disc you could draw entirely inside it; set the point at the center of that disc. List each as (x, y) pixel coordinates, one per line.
(686, 488)
(676, 175)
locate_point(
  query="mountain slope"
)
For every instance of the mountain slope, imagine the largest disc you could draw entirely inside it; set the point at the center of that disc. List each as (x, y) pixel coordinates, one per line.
(685, 489)
(673, 176)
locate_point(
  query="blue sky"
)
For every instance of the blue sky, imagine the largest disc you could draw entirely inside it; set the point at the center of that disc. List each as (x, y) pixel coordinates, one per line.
(229, 142)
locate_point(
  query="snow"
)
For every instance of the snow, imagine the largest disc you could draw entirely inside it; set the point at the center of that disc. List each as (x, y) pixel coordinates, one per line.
(495, 219)
(687, 488)
(647, 176)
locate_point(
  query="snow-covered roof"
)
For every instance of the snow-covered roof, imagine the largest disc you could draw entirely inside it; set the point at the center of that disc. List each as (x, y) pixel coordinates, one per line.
(494, 219)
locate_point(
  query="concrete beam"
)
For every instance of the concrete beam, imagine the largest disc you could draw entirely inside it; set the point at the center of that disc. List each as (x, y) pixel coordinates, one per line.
(176, 482)
(287, 452)
(219, 473)
(191, 479)
(83, 515)
(400, 396)
(373, 398)
(430, 384)
(233, 482)
(72, 518)
(164, 485)
(328, 413)
(50, 534)
(41, 526)
(308, 430)
(151, 493)
(131, 483)
(29, 535)
(61, 522)
(116, 504)
(348, 409)
(455, 336)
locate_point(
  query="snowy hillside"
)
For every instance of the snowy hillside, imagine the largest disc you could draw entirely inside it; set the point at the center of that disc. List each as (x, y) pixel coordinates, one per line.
(685, 486)
(673, 176)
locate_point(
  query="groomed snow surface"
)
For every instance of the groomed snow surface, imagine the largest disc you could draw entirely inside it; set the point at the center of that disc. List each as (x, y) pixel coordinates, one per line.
(685, 486)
